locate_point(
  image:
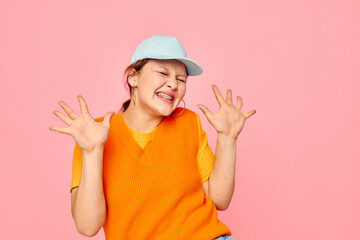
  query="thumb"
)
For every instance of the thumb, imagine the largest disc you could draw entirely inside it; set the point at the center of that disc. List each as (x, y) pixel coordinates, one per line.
(249, 114)
(107, 118)
(205, 110)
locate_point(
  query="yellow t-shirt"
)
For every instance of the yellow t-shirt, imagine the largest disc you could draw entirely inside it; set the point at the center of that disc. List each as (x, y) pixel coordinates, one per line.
(205, 157)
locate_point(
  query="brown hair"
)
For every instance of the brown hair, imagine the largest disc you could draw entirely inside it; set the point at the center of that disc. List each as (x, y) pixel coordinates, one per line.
(137, 66)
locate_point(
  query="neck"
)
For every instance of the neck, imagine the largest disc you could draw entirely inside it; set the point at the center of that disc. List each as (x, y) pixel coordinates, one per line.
(139, 121)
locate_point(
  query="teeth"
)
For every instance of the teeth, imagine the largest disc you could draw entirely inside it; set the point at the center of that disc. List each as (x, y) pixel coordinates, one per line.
(164, 96)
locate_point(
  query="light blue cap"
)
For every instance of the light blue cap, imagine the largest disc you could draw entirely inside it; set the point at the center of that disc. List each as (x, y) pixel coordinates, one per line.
(165, 47)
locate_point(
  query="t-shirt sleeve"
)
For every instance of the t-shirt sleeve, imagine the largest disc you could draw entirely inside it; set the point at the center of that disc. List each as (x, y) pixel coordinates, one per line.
(76, 167)
(205, 157)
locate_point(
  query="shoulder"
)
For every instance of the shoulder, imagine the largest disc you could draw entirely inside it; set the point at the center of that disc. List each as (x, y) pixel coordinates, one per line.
(184, 116)
(178, 112)
(188, 111)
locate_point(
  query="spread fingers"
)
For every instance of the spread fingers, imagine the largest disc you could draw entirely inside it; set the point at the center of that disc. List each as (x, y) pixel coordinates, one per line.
(64, 118)
(68, 110)
(239, 102)
(83, 105)
(60, 129)
(229, 97)
(218, 95)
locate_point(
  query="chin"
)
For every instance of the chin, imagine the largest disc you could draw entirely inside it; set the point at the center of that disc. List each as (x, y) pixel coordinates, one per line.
(166, 109)
(165, 112)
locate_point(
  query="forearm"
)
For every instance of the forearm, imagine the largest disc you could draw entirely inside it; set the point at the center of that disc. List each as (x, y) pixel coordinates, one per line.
(89, 207)
(222, 177)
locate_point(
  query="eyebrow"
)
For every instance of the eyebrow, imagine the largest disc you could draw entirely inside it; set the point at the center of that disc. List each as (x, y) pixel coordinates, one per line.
(168, 70)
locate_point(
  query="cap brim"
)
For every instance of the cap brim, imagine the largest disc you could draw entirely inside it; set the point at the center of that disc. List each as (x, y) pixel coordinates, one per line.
(193, 67)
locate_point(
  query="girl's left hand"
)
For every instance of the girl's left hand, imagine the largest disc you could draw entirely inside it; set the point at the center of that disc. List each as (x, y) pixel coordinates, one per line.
(229, 120)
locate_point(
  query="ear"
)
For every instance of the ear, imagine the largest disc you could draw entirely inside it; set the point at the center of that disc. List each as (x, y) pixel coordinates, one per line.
(132, 78)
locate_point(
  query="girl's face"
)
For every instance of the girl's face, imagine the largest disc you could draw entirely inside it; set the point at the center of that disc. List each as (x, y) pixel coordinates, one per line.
(159, 87)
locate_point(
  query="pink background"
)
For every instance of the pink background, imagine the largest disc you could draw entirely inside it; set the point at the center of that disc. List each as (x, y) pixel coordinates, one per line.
(295, 62)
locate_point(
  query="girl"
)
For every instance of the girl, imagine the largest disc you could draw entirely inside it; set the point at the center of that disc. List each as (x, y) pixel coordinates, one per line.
(147, 172)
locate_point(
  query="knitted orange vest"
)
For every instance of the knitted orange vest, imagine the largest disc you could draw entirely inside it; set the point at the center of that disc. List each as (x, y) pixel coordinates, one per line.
(156, 192)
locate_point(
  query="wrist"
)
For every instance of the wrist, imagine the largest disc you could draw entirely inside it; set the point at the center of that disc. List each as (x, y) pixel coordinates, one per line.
(93, 150)
(226, 139)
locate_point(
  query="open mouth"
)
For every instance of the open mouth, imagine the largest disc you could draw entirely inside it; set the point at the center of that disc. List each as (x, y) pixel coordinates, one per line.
(164, 96)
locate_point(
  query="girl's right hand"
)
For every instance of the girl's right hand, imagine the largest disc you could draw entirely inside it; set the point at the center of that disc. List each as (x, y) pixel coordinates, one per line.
(88, 133)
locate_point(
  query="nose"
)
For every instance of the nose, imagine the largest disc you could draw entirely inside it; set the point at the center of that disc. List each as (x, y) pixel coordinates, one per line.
(171, 83)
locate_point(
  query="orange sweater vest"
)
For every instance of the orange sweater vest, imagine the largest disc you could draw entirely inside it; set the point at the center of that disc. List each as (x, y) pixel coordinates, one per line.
(156, 192)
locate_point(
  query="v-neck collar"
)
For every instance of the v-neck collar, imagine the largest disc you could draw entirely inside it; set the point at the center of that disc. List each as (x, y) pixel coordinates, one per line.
(152, 149)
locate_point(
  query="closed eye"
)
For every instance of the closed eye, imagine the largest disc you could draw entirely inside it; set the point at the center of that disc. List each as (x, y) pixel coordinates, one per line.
(181, 80)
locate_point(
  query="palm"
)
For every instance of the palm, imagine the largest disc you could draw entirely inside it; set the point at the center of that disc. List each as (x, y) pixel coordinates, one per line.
(88, 133)
(229, 120)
